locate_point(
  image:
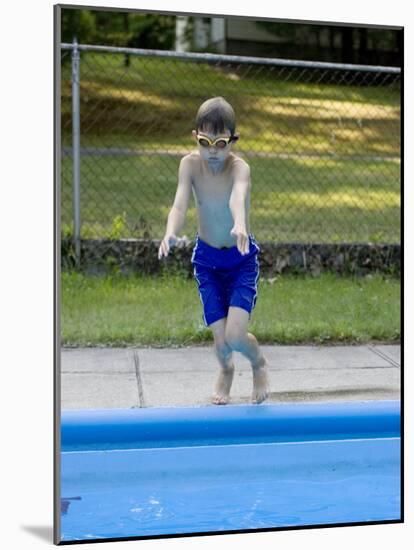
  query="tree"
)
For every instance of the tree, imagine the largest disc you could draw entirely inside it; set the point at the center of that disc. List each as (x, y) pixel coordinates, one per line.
(122, 29)
(78, 23)
(152, 31)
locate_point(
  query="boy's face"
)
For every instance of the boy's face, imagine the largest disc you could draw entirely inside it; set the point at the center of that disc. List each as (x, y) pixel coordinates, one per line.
(213, 154)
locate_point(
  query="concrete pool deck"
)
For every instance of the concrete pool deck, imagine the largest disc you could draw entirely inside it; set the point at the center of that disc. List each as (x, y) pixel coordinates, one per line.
(94, 378)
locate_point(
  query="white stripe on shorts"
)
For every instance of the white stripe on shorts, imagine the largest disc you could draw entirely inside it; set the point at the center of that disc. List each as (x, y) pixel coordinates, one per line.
(199, 293)
(255, 282)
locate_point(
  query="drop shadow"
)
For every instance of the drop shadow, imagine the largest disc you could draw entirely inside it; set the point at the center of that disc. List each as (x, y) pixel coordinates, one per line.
(43, 532)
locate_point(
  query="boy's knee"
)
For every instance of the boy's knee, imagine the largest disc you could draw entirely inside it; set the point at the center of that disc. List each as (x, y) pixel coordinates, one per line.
(235, 339)
(222, 348)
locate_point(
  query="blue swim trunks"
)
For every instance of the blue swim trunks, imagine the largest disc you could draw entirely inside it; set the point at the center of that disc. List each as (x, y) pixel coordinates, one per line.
(225, 278)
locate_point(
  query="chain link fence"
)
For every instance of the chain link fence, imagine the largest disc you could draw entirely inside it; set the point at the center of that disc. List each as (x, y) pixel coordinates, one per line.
(322, 141)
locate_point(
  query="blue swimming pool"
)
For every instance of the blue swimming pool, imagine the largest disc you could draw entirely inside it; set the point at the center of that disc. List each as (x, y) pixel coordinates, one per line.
(171, 470)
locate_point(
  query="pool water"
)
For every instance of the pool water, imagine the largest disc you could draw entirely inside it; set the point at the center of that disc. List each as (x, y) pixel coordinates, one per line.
(115, 490)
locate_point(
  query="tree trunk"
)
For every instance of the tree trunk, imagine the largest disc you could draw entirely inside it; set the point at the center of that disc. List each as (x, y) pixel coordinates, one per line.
(126, 29)
(399, 37)
(347, 52)
(363, 43)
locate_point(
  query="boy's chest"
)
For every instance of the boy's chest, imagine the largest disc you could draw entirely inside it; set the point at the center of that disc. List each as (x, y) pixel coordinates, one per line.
(211, 193)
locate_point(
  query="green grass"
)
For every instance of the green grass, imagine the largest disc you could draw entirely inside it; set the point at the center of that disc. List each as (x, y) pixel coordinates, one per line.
(292, 200)
(153, 103)
(117, 310)
(151, 106)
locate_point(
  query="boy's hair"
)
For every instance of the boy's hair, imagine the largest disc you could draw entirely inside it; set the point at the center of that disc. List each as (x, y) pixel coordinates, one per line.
(216, 113)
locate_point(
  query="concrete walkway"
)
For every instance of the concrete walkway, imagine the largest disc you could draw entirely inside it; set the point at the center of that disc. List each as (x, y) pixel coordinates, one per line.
(152, 377)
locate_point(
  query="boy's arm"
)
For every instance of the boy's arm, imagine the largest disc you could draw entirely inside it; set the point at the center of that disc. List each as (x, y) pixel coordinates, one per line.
(237, 203)
(177, 214)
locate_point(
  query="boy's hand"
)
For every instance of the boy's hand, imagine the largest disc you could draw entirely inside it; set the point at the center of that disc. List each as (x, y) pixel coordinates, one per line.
(242, 239)
(169, 240)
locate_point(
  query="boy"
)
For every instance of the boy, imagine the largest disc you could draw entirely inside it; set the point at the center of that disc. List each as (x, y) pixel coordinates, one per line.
(225, 256)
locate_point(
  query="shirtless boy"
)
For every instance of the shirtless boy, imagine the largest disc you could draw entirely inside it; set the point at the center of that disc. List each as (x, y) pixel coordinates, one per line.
(225, 256)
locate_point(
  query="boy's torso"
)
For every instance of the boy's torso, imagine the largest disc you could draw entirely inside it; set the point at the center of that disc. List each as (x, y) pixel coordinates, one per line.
(212, 195)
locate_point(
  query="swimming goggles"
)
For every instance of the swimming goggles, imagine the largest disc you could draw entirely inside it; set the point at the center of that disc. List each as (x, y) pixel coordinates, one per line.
(220, 142)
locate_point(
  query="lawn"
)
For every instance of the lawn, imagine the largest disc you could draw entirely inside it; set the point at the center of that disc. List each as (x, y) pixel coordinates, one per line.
(118, 310)
(333, 173)
(292, 200)
(153, 102)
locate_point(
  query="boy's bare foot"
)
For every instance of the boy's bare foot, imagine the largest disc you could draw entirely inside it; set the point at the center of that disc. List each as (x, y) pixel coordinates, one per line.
(221, 395)
(260, 381)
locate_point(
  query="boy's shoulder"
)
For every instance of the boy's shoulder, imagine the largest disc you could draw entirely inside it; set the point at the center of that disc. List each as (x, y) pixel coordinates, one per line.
(238, 161)
(190, 159)
(192, 155)
(239, 168)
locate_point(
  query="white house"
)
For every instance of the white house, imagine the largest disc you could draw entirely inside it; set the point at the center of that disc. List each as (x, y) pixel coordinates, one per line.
(224, 35)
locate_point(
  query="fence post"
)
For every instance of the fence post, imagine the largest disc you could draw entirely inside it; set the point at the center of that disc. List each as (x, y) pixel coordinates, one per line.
(76, 149)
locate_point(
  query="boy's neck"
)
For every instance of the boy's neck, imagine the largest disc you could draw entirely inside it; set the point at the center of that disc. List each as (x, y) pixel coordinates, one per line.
(216, 167)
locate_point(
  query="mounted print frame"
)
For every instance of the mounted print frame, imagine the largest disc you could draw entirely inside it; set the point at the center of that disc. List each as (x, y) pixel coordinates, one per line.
(227, 271)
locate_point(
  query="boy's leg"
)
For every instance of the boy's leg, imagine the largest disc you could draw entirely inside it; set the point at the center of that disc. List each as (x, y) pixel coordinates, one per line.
(225, 356)
(237, 337)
